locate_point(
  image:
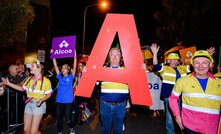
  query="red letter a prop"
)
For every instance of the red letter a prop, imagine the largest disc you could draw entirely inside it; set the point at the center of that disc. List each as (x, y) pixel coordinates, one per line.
(133, 74)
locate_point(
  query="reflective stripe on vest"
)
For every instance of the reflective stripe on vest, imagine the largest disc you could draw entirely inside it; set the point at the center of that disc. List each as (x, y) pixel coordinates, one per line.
(114, 87)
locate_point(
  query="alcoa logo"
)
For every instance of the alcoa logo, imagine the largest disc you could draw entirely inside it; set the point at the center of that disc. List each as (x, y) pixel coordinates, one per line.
(63, 45)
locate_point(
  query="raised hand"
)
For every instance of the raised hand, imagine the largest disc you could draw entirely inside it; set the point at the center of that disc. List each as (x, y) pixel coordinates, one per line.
(155, 48)
(211, 50)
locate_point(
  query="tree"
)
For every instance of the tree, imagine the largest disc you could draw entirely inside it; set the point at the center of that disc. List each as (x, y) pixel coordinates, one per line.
(15, 17)
(183, 19)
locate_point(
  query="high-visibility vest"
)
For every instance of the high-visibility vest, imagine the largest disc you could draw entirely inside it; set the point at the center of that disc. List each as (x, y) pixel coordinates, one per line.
(194, 98)
(114, 87)
(43, 87)
(169, 74)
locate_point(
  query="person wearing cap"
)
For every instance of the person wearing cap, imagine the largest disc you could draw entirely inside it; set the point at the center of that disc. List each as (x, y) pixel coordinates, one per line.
(169, 73)
(38, 90)
(201, 97)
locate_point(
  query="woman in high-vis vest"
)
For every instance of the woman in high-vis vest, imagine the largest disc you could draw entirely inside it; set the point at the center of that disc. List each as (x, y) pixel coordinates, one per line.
(38, 90)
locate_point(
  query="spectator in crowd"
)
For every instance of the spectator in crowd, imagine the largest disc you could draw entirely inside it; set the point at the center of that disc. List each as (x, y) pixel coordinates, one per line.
(16, 98)
(38, 90)
(201, 97)
(22, 71)
(169, 73)
(65, 94)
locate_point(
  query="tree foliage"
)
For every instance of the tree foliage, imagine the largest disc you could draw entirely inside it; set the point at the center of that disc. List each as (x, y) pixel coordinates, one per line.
(15, 17)
(187, 17)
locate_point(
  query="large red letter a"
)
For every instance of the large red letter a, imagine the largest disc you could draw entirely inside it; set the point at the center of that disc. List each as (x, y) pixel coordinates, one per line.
(133, 74)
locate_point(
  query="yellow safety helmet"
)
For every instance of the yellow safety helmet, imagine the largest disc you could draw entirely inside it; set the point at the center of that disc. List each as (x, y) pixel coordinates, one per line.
(201, 53)
(173, 56)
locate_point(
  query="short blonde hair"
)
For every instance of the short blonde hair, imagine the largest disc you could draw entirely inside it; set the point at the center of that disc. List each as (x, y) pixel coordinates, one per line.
(114, 48)
(39, 65)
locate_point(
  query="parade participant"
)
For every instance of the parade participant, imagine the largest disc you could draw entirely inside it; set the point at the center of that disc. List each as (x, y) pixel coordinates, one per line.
(38, 90)
(65, 94)
(113, 99)
(201, 97)
(169, 73)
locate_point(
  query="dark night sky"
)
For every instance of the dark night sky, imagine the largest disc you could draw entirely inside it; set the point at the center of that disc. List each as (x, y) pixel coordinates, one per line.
(67, 18)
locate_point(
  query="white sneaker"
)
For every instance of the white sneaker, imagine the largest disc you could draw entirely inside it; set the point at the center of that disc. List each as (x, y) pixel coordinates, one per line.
(123, 127)
(72, 131)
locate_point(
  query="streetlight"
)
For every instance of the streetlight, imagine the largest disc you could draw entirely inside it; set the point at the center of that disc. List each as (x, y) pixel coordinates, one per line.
(104, 5)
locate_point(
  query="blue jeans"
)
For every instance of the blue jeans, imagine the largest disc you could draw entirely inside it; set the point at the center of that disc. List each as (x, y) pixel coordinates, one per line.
(65, 108)
(112, 113)
(169, 119)
(171, 125)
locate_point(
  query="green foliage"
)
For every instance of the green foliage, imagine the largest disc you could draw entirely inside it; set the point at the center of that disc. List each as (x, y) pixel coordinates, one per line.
(15, 17)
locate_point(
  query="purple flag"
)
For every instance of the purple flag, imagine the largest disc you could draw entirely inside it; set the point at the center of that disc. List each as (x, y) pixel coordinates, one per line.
(63, 47)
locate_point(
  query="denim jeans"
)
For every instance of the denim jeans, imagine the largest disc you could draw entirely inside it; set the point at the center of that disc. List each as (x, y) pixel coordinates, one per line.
(169, 119)
(65, 108)
(112, 113)
(171, 125)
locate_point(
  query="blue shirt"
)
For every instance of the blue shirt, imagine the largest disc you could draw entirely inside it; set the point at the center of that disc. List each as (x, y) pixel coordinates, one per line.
(65, 92)
(203, 83)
